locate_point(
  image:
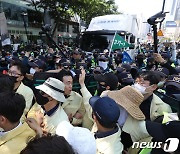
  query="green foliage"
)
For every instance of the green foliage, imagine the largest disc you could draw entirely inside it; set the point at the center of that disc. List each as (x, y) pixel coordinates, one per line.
(86, 9)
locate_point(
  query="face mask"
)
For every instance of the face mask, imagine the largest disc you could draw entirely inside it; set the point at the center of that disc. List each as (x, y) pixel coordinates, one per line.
(40, 99)
(32, 70)
(123, 116)
(140, 88)
(100, 89)
(104, 65)
(161, 84)
(13, 78)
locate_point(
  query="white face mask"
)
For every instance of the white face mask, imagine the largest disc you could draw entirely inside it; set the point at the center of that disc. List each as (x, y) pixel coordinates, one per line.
(123, 116)
(32, 70)
(104, 65)
(140, 88)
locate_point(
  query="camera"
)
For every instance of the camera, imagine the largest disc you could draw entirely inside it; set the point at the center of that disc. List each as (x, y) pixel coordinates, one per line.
(159, 17)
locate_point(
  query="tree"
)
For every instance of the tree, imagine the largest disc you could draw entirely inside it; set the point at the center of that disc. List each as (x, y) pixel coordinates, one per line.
(87, 9)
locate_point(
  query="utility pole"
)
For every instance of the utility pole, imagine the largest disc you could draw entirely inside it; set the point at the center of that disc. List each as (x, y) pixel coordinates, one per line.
(23, 14)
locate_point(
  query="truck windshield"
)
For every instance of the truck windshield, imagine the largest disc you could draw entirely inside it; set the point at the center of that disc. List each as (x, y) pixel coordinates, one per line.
(96, 41)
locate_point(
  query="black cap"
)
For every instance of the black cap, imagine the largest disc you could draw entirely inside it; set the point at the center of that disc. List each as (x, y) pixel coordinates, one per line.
(37, 63)
(173, 80)
(127, 67)
(162, 71)
(125, 77)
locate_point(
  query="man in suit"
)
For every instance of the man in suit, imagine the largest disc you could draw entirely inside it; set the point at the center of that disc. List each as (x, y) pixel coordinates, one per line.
(73, 106)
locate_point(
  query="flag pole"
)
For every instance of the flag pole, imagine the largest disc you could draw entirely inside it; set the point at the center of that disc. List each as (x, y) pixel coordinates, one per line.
(112, 43)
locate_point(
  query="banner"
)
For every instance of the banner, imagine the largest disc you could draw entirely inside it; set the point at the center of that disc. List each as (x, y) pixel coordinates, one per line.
(119, 42)
(5, 40)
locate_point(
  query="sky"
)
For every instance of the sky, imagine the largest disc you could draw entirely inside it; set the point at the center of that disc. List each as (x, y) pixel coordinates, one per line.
(145, 7)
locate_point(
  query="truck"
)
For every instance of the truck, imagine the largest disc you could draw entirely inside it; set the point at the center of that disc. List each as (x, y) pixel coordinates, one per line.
(101, 30)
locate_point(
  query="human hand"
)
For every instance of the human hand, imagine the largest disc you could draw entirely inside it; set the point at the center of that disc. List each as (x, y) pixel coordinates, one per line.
(82, 77)
(78, 116)
(158, 58)
(39, 117)
(35, 126)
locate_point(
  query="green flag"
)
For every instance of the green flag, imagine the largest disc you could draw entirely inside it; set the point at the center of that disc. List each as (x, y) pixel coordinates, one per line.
(119, 42)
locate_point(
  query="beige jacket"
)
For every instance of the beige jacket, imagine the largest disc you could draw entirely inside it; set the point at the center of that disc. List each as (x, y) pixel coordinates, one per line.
(16, 140)
(158, 107)
(74, 104)
(110, 144)
(28, 96)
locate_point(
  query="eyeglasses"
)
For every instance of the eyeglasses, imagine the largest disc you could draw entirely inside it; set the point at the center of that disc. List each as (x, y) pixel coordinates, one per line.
(13, 73)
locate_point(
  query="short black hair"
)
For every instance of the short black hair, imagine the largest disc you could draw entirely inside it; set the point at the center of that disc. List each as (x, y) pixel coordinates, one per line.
(151, 76)
(20, 66)
(6, 83)
(12, 106)
(48, 145)
(63, 73)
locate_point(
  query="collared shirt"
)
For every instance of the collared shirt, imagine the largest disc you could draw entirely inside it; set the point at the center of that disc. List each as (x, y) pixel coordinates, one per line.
(2, 133)
(50, 112)
(145, 107)
(105, 134)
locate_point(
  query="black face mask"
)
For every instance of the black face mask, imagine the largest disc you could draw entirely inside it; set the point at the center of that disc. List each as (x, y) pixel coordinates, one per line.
(41, 100)
(13, 78)
(100, 89)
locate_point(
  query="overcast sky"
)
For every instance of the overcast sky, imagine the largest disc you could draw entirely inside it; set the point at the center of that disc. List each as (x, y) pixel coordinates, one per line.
(147, 7)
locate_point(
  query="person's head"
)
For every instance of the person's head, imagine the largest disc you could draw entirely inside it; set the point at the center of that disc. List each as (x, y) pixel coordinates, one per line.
(12, 106)
(81, 139)
(67, 78)
(77, 54)
(6, 83)
(53, 89)
(37, 66)
(103, 61)
(17, 70)
(107, 81)
(105, 111)
(172, 85)
(147, 82)
(64, 64)
(48, 144)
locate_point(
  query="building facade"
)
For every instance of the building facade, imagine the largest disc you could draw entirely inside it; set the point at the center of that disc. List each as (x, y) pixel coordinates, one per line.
(21, 14)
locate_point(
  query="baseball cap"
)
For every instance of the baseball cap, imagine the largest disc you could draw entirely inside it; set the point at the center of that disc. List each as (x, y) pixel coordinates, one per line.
(125, 77)
(105, 109)
(173, 80)
(98, 70)
(102, 58)
(110, 79)
(37, 63)
(127, 67)
(162, 71)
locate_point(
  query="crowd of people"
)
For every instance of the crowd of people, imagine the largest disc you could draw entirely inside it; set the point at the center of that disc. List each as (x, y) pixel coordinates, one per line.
(89, 102)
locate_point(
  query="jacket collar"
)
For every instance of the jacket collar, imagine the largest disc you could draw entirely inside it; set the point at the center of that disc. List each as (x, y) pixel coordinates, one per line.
(12, 134)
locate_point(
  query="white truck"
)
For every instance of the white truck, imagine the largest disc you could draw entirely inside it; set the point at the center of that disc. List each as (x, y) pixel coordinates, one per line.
(102, 29)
